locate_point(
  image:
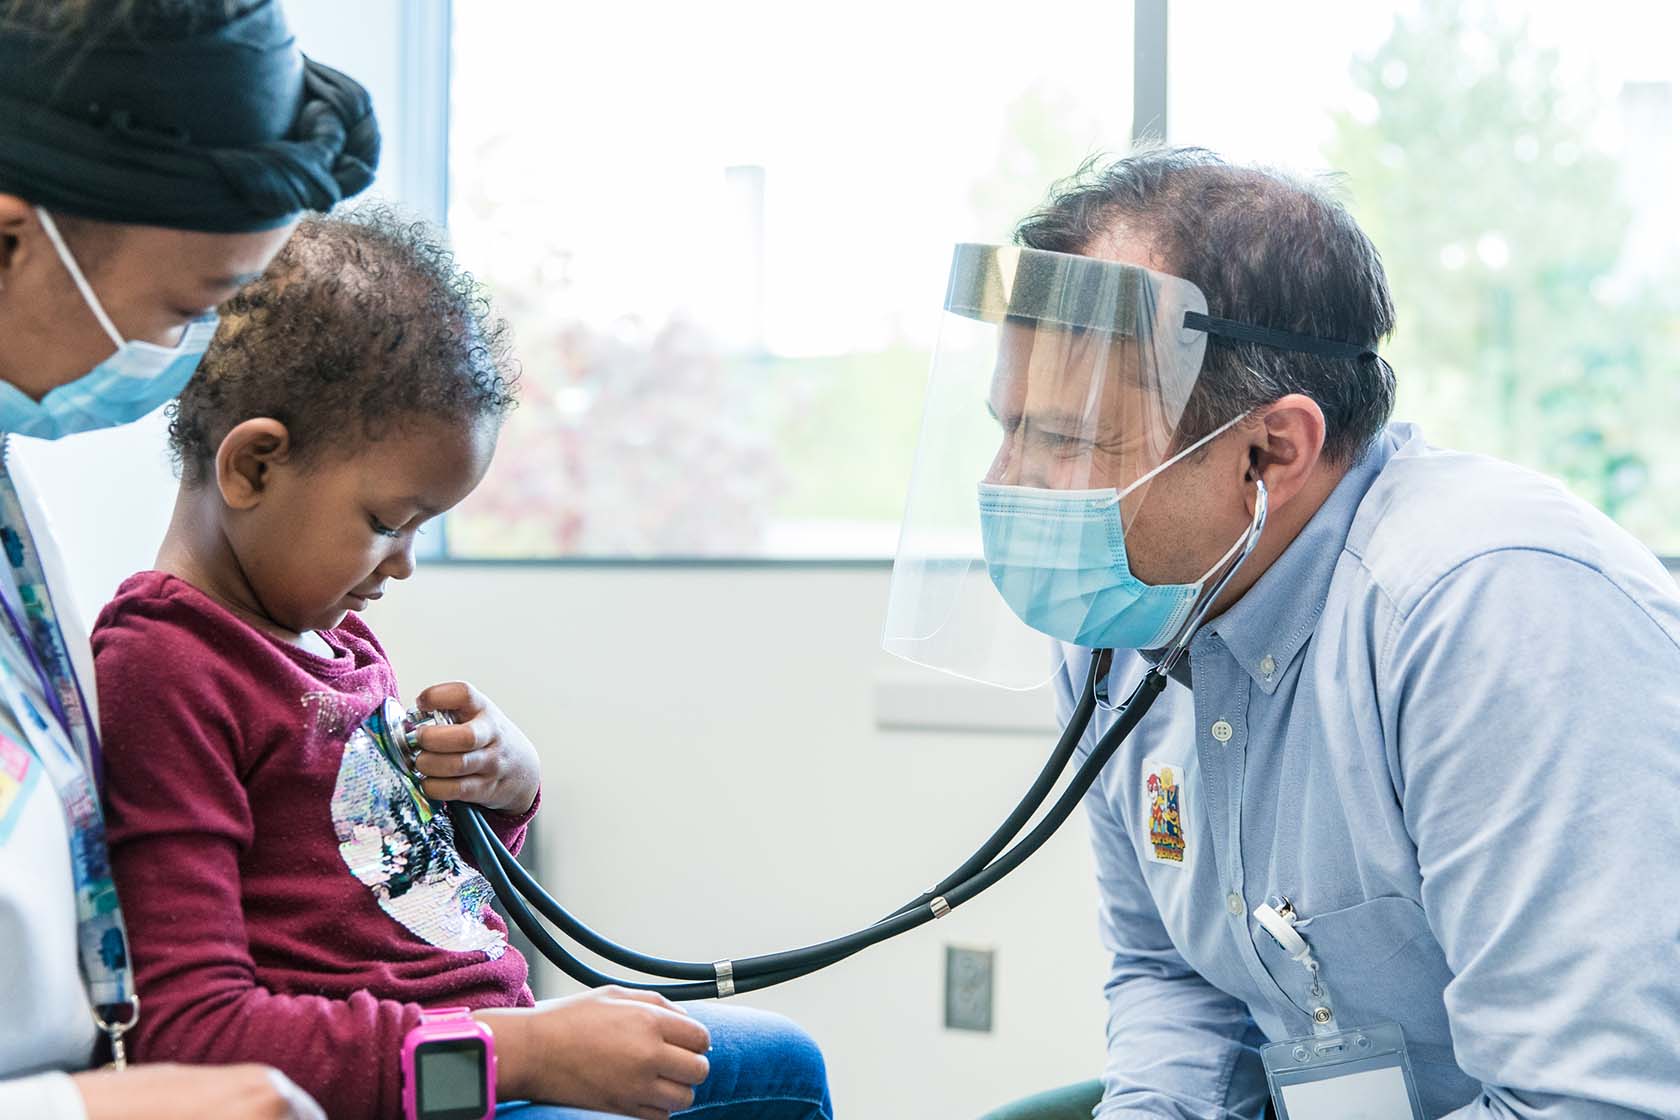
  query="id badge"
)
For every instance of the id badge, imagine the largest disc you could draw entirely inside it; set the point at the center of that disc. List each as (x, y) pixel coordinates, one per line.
(1359, 1074)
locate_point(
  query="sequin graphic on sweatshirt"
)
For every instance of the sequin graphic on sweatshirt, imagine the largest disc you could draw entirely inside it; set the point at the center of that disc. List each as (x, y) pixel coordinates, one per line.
(329, 716)
(411, 865)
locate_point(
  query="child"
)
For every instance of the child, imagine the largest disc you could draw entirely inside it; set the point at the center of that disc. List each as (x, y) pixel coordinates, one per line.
(287, 899)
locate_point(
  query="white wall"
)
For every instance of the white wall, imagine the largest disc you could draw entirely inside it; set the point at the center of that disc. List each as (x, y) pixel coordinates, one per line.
(365, 39)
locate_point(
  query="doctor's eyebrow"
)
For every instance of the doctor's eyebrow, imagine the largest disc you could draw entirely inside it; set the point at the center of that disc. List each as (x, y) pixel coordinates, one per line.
(1058, 423)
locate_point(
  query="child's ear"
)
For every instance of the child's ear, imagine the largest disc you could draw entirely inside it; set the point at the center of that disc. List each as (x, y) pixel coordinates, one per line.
(246, 456)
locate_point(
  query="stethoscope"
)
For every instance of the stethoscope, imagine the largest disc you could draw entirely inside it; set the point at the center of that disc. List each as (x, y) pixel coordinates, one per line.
(997, 857)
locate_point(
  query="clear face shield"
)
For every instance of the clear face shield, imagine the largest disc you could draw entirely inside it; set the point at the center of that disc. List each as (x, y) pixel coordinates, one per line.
(1054, 403)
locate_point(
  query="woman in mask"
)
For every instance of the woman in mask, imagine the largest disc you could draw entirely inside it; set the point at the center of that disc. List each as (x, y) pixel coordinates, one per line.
(154, 155)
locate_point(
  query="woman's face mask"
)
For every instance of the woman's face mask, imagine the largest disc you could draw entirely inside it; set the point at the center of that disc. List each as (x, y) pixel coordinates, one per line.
(137, 378)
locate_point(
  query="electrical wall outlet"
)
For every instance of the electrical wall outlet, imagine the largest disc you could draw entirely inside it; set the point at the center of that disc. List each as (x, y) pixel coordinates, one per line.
(968, 988)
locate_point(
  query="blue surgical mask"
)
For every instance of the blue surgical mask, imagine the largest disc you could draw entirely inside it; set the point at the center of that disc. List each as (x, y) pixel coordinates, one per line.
(1058, 558)
(137, 378)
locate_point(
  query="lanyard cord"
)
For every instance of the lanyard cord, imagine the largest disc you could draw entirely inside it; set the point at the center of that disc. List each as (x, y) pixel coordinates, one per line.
(41, 676)
(101, 934)
(30, 570)
(514, 886)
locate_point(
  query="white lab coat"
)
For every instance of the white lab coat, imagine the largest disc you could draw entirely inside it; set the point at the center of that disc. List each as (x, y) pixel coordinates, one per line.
(46, 1024)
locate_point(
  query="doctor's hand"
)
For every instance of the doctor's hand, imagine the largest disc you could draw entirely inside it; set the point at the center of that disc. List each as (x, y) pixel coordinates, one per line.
(482, 758)
(164, 1091)
(613, 1050)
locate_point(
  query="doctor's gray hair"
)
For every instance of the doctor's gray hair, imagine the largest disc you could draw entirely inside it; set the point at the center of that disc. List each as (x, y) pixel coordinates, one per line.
(1265, 248)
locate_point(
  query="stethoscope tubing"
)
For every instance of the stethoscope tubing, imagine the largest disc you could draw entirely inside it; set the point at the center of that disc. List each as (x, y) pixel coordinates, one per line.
(519, 891)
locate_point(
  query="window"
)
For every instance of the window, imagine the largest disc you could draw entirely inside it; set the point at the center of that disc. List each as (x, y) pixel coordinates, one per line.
(1515, 164)
(722, 233)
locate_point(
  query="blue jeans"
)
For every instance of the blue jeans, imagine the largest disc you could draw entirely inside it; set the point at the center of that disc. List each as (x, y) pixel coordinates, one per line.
(764, 1067)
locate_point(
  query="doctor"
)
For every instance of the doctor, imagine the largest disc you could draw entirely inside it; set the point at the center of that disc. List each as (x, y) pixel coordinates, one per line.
(153, 157)
(1420, 768)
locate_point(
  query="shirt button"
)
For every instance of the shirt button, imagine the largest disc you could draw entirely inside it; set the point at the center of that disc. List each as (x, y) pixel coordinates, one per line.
(1234, 903)
(1268, 666)
(1221, 731)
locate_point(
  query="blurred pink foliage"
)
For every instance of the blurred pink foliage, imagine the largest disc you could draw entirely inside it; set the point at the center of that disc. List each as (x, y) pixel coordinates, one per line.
(627, 441)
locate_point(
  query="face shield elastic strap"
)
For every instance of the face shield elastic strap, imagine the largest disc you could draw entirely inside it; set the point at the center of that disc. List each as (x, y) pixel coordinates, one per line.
(1278, 340)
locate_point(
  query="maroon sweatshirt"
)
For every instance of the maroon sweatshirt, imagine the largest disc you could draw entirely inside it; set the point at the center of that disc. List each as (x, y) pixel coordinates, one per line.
(285, 902)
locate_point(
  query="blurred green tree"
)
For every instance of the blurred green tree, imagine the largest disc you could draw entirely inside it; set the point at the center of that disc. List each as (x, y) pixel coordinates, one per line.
(1474, 166)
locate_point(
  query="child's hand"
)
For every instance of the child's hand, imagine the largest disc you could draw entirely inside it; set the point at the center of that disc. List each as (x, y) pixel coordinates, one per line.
(625, 1052)
(482, 757)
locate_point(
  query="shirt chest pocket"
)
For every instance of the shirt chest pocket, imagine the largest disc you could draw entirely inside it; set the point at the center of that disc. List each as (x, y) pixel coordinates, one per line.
(1380, 963)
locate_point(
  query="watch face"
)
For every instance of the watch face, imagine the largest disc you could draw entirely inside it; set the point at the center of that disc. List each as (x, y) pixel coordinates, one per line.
(449, 1076)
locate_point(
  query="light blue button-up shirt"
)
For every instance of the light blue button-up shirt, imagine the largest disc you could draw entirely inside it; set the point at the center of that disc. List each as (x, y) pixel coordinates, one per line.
(1446, 725)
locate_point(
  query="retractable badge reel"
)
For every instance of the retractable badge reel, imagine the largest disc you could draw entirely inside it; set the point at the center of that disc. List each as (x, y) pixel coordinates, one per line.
(1362, 1073)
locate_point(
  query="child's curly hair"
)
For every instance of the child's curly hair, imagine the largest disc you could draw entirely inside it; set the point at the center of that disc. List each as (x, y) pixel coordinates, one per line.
(363, 320)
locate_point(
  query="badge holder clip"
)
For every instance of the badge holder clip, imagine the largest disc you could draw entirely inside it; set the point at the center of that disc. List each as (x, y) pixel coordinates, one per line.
(1334, 1074)
(114, 1029)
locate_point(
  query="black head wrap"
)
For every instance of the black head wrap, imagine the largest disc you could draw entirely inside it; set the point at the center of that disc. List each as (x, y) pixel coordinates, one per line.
(224, 127)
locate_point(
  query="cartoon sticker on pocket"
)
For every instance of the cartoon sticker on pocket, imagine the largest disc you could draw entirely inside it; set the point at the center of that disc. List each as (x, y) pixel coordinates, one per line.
(1164, 810)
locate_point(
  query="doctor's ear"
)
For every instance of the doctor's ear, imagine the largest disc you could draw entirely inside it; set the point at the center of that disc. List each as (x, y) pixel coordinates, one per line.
(246, 458)
(1286, 445)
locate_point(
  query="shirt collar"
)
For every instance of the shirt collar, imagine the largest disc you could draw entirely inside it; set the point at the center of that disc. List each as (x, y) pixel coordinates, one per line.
(1266, 628)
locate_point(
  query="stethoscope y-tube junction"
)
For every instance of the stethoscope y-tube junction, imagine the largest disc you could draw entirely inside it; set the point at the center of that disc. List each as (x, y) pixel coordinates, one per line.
(519, 891)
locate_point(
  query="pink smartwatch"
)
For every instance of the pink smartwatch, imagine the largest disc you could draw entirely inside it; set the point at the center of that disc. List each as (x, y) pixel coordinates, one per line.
(449, 1067)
